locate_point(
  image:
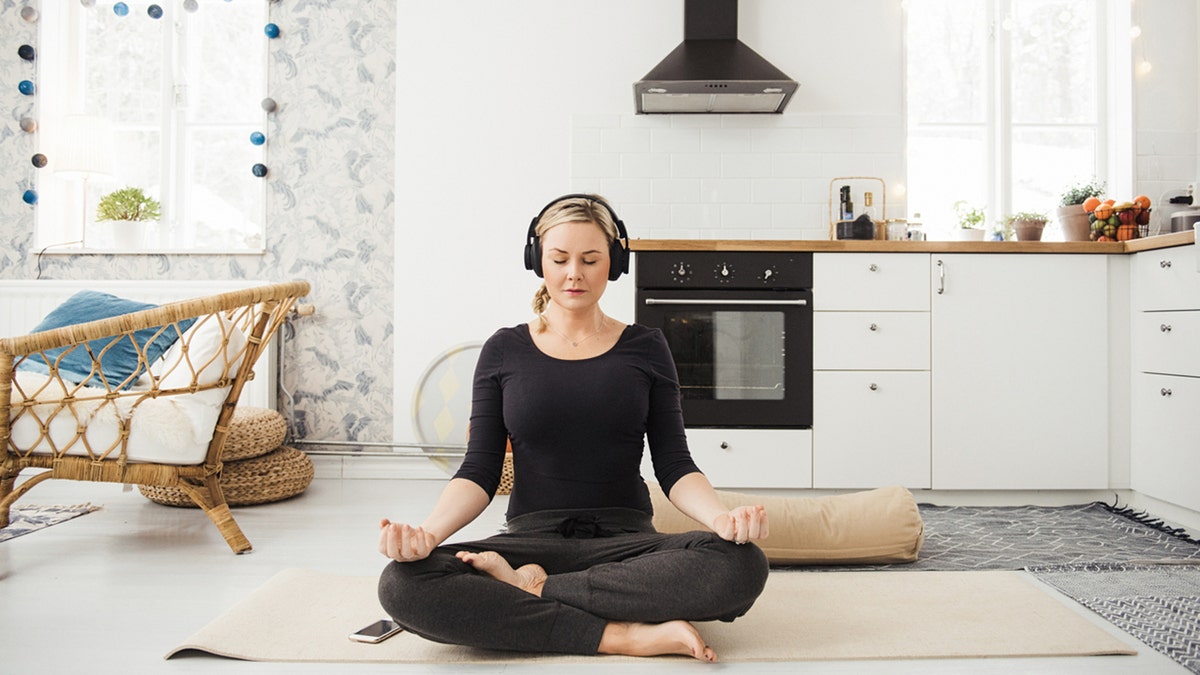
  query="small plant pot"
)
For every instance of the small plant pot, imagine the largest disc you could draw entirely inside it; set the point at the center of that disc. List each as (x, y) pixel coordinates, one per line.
(128, 233)
(1074, 222)
(1029, 230)
(966, 234)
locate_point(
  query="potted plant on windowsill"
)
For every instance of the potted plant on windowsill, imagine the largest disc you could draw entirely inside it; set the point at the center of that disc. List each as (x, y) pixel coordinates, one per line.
(970, 222)
(1071, 214)
(128, 209)
(1028, 225)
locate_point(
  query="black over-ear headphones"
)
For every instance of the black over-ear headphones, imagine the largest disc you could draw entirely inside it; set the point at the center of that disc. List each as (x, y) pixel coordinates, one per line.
(618, 250)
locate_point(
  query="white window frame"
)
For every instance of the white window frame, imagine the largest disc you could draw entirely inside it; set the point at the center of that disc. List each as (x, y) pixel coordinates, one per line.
(1114, 113)
(65, 219)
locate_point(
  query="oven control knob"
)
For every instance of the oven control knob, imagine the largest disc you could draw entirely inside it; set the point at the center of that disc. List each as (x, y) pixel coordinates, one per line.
(723, 273)
(681, 272)
(769, 275)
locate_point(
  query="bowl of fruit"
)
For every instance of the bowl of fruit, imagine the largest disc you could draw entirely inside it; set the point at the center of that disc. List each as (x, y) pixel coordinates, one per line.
(1117, 221)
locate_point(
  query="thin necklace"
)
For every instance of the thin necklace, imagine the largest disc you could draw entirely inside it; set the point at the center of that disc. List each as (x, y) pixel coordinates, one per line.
(576, 343)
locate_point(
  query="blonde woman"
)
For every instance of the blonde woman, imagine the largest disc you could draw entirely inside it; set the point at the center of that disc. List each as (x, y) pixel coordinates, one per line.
(579, 568)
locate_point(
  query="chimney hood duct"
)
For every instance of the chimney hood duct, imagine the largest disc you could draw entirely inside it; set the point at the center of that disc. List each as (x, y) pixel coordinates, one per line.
(712, 71)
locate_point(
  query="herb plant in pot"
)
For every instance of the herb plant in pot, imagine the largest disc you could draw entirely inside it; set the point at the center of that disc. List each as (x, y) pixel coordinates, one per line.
(128, 209)
(1071, 214)
(1028, 225)
(970, 222)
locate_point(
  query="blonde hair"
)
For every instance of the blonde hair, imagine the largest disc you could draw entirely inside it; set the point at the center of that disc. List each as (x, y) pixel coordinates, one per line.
(588, 209)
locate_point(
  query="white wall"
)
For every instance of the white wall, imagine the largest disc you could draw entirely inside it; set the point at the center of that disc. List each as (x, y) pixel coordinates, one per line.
(495, 101)
(488, 96)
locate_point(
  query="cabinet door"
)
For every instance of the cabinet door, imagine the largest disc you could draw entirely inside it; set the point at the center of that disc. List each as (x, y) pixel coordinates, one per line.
(750, 458)
(871, 281)
(1166, 279)
(871, 340)
(870, 429)
(1164, 457)
(1020, 371)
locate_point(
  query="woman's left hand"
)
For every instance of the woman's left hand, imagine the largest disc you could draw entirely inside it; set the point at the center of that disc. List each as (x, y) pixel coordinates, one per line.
(743, 524)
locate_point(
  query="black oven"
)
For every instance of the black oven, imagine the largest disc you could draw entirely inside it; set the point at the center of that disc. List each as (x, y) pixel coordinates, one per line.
(739, 325)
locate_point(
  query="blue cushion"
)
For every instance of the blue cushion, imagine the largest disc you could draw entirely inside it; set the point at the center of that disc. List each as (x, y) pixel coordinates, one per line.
(119, 365)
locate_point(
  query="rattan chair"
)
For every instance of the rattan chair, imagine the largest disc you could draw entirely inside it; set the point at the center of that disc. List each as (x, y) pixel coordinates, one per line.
(44, 419)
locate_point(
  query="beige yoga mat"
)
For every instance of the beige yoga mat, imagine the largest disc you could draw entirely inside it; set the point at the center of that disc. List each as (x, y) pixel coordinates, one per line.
(301, 615)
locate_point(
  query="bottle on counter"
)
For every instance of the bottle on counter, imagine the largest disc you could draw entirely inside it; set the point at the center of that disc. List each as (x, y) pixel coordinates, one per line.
(847, 206)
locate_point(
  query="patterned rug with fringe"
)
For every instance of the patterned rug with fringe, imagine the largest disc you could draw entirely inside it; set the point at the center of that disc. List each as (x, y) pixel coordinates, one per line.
(24, 519)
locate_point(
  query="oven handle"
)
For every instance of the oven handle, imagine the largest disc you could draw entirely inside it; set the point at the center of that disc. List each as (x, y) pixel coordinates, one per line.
(714, 301)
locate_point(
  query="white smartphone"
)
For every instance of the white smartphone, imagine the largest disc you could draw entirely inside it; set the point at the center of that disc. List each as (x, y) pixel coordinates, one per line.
(376, 632)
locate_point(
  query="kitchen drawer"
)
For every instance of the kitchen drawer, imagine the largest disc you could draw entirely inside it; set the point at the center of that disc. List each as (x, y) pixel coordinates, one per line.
(871, 281)
(871, 429)
(1166, 279)
(871, 340)
(1164, 459)
(752, 458)
(1167, 342)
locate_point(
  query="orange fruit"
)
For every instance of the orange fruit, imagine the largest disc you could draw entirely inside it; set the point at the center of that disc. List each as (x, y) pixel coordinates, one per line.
(1142, 200)
(1103, 211)
(1090, 204)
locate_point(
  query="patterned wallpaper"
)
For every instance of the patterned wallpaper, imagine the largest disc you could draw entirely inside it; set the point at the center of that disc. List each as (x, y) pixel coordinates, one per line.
(330, 203)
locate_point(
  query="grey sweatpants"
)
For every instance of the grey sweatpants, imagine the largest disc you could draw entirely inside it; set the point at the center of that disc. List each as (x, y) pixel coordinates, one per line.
(603, 565)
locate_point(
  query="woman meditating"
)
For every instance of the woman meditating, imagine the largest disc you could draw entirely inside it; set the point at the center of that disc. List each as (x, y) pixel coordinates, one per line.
(579, 568)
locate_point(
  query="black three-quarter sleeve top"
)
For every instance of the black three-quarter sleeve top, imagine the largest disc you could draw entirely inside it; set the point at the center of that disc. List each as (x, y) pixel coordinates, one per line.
(577, 426)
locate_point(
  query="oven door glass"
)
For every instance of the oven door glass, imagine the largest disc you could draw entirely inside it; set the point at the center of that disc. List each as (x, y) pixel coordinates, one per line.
(744, 358)
(728, 355)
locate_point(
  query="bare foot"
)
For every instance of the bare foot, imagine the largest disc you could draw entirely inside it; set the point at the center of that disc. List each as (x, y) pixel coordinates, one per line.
(529, 578)
(654, 639)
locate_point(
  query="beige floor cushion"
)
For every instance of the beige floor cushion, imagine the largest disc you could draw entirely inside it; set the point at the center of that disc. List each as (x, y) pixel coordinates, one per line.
(870, 527)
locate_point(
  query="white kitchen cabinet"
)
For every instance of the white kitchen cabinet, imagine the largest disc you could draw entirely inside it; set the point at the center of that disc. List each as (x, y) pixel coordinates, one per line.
(1019, 371)
(750, 458)
(871, 360)
(1164, 456)
(871, 429)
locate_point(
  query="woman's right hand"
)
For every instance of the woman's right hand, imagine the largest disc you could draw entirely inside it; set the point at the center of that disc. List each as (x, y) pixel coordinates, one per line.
(405, 543)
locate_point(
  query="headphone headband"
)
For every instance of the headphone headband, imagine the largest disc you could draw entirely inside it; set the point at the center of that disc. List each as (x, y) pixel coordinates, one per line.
(618, 249)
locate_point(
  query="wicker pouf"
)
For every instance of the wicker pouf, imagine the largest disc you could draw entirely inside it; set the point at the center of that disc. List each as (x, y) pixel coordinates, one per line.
(253, 433)
(506, 476)
(277, 475)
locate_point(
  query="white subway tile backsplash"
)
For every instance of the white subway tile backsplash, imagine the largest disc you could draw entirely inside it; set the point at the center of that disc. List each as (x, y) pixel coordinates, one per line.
(671, 140)
(625, 140)
(746, 165)
(696, 216)
(595, 165)
(645, 165)
(777, 190)
(675, 190)
(733, 176)
(724, 140)
(726, 190)
(695, 165)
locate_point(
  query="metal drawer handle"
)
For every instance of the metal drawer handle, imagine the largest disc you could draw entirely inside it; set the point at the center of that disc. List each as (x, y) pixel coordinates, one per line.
(874, 387)
(724, 445)
(1164, 263)
(874, 327)
(1166, 327)
(1165, 392)
(874, 267)
(941, 277)
(718, 301)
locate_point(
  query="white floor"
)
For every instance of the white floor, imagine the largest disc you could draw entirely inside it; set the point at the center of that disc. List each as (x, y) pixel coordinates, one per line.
(113, 591)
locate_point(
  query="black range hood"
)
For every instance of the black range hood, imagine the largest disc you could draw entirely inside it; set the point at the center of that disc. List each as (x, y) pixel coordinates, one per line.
(712, 71)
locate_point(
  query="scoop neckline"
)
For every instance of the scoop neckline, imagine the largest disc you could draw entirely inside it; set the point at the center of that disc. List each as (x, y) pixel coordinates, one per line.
(620, 339)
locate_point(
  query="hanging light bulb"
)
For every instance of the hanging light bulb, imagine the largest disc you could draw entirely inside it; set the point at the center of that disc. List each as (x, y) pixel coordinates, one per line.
(1135, 32)
(1144, 67)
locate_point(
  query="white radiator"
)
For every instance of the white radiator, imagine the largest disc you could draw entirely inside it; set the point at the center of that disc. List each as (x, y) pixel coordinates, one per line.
(24, 303)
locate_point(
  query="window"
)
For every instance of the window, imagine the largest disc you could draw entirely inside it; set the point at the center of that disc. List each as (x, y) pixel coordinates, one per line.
(170, 94)
(1008, 104)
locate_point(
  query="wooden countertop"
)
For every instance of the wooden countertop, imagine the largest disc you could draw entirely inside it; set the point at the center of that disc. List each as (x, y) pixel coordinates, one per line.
(881, 246)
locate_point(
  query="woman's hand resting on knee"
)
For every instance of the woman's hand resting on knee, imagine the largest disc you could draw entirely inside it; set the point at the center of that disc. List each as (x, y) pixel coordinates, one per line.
(742, 524)
(405, 543)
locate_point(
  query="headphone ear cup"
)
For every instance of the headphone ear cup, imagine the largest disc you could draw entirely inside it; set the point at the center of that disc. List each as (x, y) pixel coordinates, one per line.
(533, 256)
(618, 260)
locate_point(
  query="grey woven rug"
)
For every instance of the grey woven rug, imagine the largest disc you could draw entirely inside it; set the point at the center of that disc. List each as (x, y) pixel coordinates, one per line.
(24, 519)
(1016, 537)
(1157, 604)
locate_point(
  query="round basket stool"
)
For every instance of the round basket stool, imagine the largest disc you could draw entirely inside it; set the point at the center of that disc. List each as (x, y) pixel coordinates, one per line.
(279, 474)
(253, 433)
